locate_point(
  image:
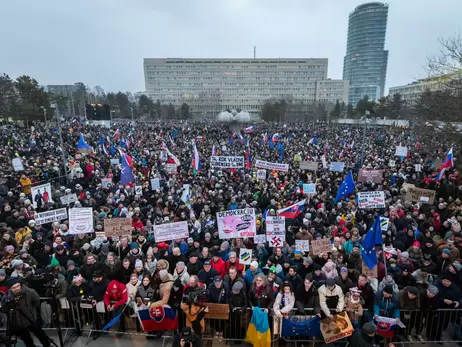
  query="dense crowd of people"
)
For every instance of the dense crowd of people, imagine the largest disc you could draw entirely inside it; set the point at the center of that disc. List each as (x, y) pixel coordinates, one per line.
(418, 265)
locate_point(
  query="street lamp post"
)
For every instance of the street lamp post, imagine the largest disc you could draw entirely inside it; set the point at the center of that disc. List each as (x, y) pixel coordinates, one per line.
(63, 152)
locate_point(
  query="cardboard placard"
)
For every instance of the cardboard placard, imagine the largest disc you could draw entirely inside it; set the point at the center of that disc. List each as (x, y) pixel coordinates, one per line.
(309, 165)
(375, 176)
(425, 196)
(217, 311)
(320, 246)
(336, 328)
(117, 227)
(368, 272)
(406, 186)
(245, 256)
(302, 245)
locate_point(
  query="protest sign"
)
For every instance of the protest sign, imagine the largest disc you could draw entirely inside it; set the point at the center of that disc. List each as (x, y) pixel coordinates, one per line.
(276, 240)
(302, 245)
(80, 220)
(171, 231)
(275, 230)
(309, 165)
(406, 186)
(117, 227)
(336, 328)
(384, 223)
(309, 188)
(337, 166)
(426, 196)
(41, 195)
(320, 246)
(245, 256)
(138, 190)
(163, 156)
(261, 174)
(170, 168)
(418, 167)
(369, 272)
(115, 161)
(50, 216)
(155, 184)
(271, 166)
(221, 162)
(68, 199)
(106, 183)
(236, 223)
(259, 239)
(217, 311)
(17, 164)
(375, 176)
(392, 163)
(401, 151)
(371, 199)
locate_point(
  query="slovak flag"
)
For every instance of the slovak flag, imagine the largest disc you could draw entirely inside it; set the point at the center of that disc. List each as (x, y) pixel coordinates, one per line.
(386, 326)
(249, 129)
(244, 142)
(265, 138)
(352, 144)
(448, 163)
(340, 156)
(105, 150)
(275, 138)
(158, 318)
(214, 151)
(116, 134)
(293, 211)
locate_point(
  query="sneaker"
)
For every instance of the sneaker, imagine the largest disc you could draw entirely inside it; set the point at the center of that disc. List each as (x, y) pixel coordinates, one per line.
(409, 338)
(419, 337)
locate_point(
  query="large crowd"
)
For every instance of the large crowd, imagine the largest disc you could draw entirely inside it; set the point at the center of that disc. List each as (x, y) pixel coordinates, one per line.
(421, 271)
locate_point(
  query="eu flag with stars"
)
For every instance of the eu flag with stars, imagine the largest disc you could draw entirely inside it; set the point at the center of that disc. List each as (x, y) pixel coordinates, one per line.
(346, 188)
(126, 173)
(373, 237)
(310, 327)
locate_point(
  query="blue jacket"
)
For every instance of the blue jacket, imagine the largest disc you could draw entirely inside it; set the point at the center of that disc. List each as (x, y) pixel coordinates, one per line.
(183, 246)
(390, 306)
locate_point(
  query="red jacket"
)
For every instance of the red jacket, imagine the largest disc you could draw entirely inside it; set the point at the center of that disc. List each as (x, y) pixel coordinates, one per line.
(219, 266)
(239, 267)
(116, 294)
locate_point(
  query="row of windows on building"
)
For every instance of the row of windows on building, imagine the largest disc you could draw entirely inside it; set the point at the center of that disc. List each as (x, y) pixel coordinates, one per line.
(234, 66)
(235, 73)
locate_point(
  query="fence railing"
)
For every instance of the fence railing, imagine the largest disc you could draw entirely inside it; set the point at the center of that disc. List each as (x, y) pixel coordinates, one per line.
(87, 318)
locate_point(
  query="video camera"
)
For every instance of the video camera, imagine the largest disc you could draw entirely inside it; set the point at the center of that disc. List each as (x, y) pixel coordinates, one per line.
(188, 336)
(198, 296)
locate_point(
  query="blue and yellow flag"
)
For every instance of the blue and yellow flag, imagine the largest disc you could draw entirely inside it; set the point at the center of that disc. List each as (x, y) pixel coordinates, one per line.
(258, 333)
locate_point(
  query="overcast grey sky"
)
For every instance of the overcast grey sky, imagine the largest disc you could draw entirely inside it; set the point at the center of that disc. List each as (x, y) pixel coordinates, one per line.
(103, 42)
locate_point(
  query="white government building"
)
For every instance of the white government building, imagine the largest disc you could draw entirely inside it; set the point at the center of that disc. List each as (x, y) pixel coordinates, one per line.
(209, 86)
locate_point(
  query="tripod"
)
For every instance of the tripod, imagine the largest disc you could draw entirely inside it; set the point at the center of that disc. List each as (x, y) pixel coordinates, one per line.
(11, 336)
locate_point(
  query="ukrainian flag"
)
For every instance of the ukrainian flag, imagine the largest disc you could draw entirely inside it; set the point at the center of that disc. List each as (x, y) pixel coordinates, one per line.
(258, 333)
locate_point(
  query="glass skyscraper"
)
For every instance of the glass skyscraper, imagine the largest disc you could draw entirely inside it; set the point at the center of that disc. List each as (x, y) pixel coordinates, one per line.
(366, 60)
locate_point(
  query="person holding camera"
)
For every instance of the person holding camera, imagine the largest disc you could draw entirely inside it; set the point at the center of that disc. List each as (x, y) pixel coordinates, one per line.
(187, 338)
(20, 304)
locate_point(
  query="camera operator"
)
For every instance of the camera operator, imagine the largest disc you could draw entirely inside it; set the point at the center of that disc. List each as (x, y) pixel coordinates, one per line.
(21, 304)
(187, 338)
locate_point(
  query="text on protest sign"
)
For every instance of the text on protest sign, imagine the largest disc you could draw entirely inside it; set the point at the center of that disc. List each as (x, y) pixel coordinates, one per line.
(171, 231)
(371, 199)
(401, 151)
(117, 227)
(309, 165)
(261, 174)
(50, 216)
(245, 256)
(80, 220)
(275, 230)
(170, 168)
(68, 199)
(220, 162)
(337, 166)
(17, 164)
(426, 196)
(115, 161)
(106, 183)
(217, 311)
(375, 176)
(236, 223)
(302, 245)
(155, 184)
(309, 188)
(259, 239)
(271, 166)
(320, 246)
(277, 241)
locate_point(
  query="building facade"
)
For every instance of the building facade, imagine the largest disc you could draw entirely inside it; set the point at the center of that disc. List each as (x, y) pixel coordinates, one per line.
(209, 86)
(366, 60)
(411, 92)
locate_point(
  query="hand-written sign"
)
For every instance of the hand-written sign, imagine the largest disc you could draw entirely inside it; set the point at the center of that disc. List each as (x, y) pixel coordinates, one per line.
(401, 151)
(302, 245)
(217, 311)
(371, 199)
(171, 231)
(118, 227)
(309, 188)
(170, 168)
(275, 227)
(309, 165)
(375, 176)
(320, 246)
(221, 162)
(426, 196)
